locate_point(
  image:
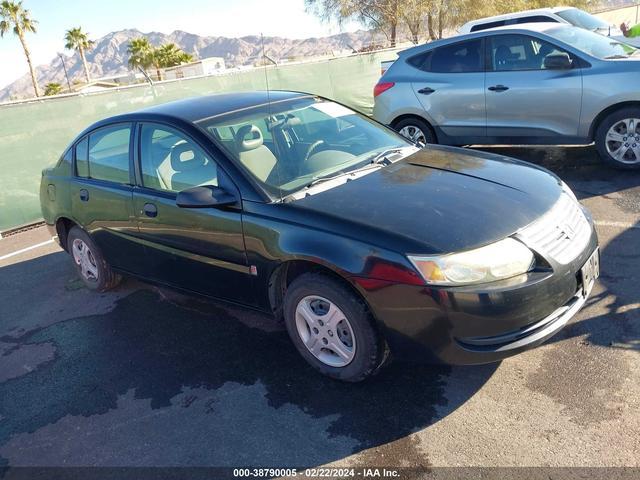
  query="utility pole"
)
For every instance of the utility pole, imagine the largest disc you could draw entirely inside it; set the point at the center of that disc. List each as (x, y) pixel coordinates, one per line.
(64, 67)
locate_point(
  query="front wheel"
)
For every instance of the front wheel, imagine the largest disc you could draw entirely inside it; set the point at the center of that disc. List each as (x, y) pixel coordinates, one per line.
(332, 328)
(618, 139)
(415, 130)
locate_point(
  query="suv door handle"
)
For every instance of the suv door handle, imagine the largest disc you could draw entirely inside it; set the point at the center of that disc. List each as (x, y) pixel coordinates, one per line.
(150, 210)
(498, 88)
(426, 91)
(84, 195)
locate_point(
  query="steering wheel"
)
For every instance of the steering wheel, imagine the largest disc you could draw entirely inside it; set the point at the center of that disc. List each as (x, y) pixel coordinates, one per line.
(312, 148)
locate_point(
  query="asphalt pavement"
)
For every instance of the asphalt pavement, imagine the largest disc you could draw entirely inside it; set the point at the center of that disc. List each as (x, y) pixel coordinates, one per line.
(143, 376)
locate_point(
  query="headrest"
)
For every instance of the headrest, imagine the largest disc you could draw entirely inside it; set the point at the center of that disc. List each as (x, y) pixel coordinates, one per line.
(504, 53)
(249, 137)
(184, 157)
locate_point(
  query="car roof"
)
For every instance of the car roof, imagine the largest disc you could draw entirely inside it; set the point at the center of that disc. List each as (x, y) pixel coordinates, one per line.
(522, 13)
(522, 28)
(533, 26)
(195, 109)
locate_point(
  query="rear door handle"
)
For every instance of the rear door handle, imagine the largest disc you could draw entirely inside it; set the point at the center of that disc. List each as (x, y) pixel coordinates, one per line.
(150, 210)
(498, 88)
(84, 195)
(426, 90)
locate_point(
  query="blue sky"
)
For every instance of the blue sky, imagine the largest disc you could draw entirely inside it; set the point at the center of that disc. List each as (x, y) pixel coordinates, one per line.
(231, 18)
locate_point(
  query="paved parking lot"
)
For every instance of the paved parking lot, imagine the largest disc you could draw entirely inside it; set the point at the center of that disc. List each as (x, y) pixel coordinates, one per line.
(145, 376)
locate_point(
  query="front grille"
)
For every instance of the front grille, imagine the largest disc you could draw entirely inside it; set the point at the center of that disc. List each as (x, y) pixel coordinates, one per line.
(562, 233)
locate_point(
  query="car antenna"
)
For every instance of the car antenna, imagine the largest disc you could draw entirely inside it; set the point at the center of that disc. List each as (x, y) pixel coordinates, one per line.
(269, 119)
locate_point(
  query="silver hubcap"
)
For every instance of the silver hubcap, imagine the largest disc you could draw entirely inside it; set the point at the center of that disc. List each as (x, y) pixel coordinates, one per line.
(84, 259)
(414, 134)
(325, 331)
(623, 141)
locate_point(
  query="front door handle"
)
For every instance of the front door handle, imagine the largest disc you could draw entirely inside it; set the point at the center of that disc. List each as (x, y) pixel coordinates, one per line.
(150, 210)
(84, 195)
(498, 88)
(426, 91)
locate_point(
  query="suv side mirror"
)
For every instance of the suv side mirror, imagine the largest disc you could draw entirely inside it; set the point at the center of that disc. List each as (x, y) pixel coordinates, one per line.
(558, 61)
(204, 197)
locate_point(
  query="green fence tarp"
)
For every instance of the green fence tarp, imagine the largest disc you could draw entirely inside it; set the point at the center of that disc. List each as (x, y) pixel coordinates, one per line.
(34, 134)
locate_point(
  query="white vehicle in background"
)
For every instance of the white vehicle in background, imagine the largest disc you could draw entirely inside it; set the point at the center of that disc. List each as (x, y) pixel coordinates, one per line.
(570, 15)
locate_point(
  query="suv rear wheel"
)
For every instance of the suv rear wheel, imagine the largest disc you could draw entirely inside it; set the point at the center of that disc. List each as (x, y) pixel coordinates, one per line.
(332, 328)
(618, 138)
(416, 130)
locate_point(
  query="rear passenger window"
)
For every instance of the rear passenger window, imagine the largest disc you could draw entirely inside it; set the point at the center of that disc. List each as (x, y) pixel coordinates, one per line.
(535, 19)
(82, 158)
(485, 26)
(458, 58)
(107, 155)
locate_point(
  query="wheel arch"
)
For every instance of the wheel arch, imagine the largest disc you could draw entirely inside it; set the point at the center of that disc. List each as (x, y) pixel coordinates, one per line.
(63, 227)
(289, 270)
(607, 111)
(404, 116)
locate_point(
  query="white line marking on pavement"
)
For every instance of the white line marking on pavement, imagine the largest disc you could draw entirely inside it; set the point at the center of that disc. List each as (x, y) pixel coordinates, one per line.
(32, 247)
(605, 223)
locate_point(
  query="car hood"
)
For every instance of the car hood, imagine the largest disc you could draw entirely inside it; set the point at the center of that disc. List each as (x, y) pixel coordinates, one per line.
(438, 200)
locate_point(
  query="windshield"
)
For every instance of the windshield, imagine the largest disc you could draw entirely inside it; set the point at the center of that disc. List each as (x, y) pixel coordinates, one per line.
(291, 144)
(582, 19)
(591, 43)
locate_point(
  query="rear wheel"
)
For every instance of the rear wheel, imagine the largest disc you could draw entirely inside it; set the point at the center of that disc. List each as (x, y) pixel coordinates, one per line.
(93, 269)
(618, 139)
(332, 328)
(416, 130)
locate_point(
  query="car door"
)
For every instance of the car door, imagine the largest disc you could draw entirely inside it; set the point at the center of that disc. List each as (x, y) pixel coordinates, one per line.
(450, 88)
(101, 194)
(198, 249)
(527, 102)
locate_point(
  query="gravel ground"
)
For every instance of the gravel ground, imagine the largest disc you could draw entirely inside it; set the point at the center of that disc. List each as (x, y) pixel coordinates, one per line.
(147, 377)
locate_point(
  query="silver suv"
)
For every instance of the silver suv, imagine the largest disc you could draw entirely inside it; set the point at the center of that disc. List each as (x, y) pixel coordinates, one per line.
(539, 84)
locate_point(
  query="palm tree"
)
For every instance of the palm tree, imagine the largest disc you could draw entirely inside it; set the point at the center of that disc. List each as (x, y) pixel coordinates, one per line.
(140, 53)
(15, 17)
(79, 41)
(169, 55)
(52, 88)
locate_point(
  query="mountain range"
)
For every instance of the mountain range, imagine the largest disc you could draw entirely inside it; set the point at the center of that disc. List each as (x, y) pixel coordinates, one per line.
(109, 57)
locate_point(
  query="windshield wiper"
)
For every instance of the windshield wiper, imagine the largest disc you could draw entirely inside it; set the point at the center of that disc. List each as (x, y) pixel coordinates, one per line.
(613, 57)
(383, 156)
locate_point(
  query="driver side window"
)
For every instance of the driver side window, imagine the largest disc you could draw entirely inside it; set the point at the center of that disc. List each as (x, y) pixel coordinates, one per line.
(171, 161)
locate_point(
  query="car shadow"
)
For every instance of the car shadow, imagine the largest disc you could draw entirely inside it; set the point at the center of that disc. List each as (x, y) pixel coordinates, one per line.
(173, 352)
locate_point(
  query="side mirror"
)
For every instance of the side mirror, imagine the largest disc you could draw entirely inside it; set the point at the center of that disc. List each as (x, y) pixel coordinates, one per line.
(204, 197)
(557, 61)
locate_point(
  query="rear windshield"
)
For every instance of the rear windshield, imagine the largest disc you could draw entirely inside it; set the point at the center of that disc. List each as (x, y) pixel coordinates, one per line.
(591, 43)
(582, 19)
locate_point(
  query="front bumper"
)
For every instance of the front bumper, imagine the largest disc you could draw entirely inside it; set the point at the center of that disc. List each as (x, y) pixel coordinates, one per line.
(480, 324)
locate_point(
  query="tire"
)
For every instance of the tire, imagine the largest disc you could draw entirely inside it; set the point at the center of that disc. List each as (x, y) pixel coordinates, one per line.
(359, 337)
(618, 122)
(96, 274)
(422, 128)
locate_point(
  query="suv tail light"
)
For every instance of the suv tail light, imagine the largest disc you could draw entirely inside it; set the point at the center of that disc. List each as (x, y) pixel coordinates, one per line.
(382, 87)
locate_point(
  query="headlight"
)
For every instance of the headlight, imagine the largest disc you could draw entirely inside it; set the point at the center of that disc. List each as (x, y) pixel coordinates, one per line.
(503, 259)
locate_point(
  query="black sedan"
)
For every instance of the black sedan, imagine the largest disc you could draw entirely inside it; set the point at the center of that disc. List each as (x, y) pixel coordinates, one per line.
(363, 243)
